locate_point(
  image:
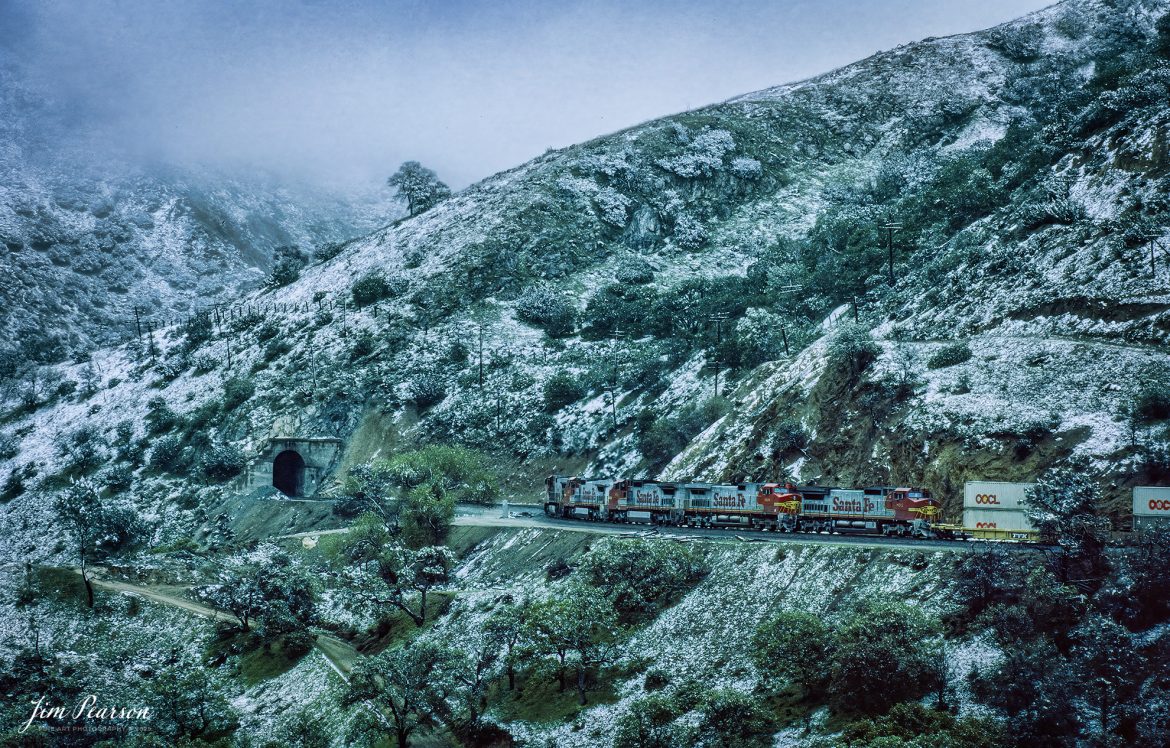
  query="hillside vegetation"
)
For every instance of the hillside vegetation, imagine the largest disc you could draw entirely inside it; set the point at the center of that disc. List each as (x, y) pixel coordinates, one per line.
(563, 313)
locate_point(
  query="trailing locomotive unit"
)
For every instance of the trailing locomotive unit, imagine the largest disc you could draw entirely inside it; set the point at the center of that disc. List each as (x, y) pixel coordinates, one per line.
(764, 506)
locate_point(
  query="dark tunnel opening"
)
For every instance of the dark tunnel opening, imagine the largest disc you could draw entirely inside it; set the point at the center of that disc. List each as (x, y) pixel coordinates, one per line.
(288, 473)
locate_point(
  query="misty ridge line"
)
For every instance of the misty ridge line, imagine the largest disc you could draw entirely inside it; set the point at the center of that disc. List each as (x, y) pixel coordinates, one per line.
(339, 96)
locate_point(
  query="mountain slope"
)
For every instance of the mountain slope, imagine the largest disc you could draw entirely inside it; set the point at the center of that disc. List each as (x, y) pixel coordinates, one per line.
(90, 234)
(1025, 164)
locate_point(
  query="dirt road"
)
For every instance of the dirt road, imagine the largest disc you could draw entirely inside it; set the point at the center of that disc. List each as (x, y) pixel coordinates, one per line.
(340, 655)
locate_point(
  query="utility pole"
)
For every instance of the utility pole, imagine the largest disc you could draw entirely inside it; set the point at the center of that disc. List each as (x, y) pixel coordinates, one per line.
(481, 355)
(1155, 241)
(150, 339)
(890, 228)
(718, 318)
(611, 387)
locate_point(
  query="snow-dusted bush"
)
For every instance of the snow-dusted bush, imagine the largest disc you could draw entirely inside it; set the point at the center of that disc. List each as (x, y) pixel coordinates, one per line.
(197, 330)
(1152, 403)
(689, 232)
(853, 347)
(287, 262)
(613, 206)
(413, 258)
(223, 462)
(375, 286)
(950, 354)
(236, 392)
(427, 387)
(327, 252)
(746, 168)
(548, 309)
(634, 271)
(757, 337)
(204, 362)
(166, 452)
(9, 447)
(82, 450)
(642, 577)
(116, 478)
(660, 439)
(703, 156)
(561, 389)
(1017, 43)
(1071, 25)
(789, 436)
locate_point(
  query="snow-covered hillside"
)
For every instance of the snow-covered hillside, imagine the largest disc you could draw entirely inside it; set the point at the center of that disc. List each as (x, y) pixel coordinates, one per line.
(568, 310)
(90, 234)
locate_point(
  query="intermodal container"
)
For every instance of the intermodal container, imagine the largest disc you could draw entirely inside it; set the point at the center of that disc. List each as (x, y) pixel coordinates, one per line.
(996, 519)
(1151, 505)
(994, 494)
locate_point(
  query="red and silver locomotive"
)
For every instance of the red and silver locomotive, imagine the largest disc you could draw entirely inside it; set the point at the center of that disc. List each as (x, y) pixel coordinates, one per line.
(780, 507)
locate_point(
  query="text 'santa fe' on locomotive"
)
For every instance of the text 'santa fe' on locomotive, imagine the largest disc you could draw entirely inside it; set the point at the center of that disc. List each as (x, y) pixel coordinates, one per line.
(765, 506)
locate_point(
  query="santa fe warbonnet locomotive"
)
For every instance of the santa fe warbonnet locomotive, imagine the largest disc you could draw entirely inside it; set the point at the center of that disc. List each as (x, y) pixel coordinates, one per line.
(780, 507)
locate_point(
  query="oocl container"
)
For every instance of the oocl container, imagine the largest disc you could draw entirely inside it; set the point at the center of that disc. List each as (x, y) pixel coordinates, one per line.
(1151, 505)
(996, 519)
(994, 494)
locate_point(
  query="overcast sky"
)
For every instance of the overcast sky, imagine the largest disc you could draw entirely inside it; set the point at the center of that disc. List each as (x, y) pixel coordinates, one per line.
(342, 91)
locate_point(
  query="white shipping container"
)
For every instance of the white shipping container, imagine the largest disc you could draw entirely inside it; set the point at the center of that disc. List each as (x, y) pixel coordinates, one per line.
(1151, 501)
(979, 494)
(996, 519)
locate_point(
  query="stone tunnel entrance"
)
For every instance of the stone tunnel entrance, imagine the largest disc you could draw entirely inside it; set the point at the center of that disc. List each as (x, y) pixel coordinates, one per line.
(295, 466)
(288, 473)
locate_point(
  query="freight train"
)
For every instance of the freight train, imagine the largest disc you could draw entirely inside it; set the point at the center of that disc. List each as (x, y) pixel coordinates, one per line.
(780, 507)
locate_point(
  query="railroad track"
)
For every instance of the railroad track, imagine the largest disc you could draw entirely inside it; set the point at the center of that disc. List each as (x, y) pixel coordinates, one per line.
(482, 517)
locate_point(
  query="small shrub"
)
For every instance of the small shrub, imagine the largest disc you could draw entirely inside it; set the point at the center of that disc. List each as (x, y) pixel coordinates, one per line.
(371, 287)
(1152, 403)
(9, 447)
(548, 309)
(237, 391)
(298, 643)
(656, 679)
(561, 389)
(267, 331)
(66, 388)
(223, 462)
(362, 346)
(287, 262)
(413, 259)
(166, 452)
(853, 347)
(197, 330)
(950, 354)
(458, 352)
(427, 388)
(790, 436)
(276, 349)
(17, 481)
(203, 363)
(117, 478)
(327, 252)
(635, 272)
